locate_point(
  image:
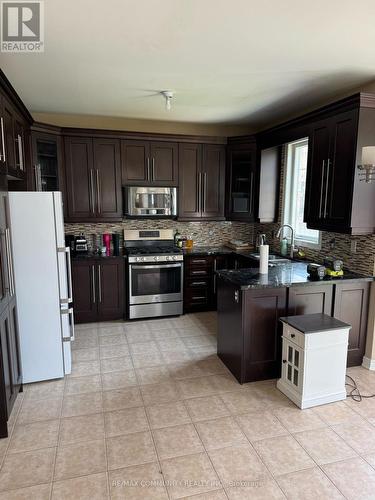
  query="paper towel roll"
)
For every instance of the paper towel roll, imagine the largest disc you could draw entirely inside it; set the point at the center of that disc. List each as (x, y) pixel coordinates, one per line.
(263, 261)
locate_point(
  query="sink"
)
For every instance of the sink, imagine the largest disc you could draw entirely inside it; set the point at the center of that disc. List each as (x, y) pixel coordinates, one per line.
(272, 258)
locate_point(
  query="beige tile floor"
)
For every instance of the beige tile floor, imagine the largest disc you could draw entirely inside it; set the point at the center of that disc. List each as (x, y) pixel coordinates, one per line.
(150, 412)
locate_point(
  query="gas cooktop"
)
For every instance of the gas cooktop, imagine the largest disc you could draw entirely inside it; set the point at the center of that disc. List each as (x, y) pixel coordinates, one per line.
(153, 250)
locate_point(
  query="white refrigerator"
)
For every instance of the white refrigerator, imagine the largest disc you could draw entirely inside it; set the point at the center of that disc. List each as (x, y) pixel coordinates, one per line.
(42, 272)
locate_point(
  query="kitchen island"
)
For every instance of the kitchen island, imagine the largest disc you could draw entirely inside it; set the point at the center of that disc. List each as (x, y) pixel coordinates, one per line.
(249, 306)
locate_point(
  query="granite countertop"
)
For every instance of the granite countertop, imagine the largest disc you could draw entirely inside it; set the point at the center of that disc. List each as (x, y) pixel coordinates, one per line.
(212, 250)
(282, 275)
(91, 255)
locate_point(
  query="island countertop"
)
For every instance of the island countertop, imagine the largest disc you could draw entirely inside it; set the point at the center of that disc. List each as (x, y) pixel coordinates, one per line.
(282, 275)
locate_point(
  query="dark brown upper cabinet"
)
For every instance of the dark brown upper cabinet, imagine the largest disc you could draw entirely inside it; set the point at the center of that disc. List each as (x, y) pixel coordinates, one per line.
(242, 181)
(93, 179)
(337, 199)
(47, 162)
(149, 163)
(201, 181)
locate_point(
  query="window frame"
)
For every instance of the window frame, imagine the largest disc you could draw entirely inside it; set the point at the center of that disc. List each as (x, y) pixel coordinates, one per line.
(289, 212)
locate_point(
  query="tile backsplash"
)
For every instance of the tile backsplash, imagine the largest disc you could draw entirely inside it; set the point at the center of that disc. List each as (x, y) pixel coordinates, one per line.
(203, 232)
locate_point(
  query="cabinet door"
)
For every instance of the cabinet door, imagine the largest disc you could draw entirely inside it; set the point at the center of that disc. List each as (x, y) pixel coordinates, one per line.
(9, 389)
(164, 163)
(317, 163)
(107, 170)
(213, 182)
(4, 254)
(292, 365)
(341, 170)
(80, 183)
(85, 290)
(190, 175)
(135, 159)
(310, 300)
(111, 281)
(9, 138)
(242, 182)
(15, 345)
(262, 332)
(351, 306)
(47, 172)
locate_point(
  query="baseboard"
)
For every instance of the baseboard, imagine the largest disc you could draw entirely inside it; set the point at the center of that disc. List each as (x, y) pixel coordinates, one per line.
(308, 403)
(368, 363)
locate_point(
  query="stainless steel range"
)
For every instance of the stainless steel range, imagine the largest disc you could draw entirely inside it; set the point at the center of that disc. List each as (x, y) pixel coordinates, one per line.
(155, 273)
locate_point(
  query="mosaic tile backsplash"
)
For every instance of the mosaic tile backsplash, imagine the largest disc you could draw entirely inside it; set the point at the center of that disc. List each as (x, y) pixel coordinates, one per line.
(203, 233)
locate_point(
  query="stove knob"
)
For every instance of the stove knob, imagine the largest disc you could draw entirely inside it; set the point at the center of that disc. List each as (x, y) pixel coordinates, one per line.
(156, 258)
(167, 257)
(175, 257)
(137, 259)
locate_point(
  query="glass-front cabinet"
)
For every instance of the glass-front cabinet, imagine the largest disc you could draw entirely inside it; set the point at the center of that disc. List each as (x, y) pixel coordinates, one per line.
(47, 175)
(243, 180)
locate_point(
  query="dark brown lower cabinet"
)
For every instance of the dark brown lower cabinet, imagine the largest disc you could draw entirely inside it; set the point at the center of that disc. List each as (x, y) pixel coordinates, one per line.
(10, 364)
(249, 333)
(98, 288)
(351, 306)
(310, 299)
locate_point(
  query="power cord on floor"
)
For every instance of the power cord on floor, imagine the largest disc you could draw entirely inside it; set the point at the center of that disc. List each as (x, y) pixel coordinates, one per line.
(354, 393)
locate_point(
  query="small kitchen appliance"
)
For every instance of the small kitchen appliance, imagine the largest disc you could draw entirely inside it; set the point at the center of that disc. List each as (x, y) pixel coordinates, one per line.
(80, 244)
(107, 243)
(155, 273)
(116, 244)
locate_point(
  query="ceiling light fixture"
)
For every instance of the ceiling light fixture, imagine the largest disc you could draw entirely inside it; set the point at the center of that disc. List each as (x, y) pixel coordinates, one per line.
(168, 95)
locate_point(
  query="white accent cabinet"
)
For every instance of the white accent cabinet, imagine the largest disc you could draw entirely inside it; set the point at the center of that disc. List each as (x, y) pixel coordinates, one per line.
(313, 359)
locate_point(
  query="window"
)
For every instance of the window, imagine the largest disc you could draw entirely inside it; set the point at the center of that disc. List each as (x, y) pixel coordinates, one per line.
(294, 200)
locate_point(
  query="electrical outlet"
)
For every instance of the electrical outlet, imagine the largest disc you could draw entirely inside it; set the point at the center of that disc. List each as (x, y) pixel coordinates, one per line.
(353, 246)
(332, 244)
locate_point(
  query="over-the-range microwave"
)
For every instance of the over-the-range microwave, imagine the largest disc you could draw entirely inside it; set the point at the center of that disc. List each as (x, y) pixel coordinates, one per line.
(147, 201)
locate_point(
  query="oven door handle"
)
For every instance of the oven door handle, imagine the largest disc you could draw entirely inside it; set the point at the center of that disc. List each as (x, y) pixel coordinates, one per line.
(156, 266)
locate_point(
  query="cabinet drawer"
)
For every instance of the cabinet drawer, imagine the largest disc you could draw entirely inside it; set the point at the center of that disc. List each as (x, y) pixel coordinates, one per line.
(197, 282)
(294, 335)
(197, 297)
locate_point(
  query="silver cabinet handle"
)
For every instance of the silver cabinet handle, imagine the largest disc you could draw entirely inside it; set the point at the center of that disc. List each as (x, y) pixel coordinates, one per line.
(92, 190)
(71, 324)
(20, 149)
(204, 191)
(200, 191)
(237, 296)
(199, 261)
(9, 262)
(321, 190)
(153, 169)
(202, 297)
(66, 251)
(40, 178)
(198, 283)
(326, 195)
(93, 284)
(215, 269)
(3, 155)
(100, 282)
(98, 191)
(148, 168)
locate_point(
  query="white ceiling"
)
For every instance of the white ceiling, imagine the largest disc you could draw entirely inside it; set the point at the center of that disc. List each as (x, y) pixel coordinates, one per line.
(238, 61)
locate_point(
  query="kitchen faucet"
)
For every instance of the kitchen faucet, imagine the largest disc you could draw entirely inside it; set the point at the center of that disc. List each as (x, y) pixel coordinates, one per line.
(291, 237)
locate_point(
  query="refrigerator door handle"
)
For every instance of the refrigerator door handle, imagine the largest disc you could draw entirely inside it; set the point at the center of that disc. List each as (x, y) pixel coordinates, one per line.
(71, 324)
(69, 299)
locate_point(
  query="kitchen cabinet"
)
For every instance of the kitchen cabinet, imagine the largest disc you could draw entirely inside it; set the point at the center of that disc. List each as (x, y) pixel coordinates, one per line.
(249, 333)
(351, 306)
(242, 181)
(310, 299)
(149, 163)
(10, 366)
(337, 197)
(93, 179)
(201, 181)
(98, 288)
(200, 281)
(47, 162)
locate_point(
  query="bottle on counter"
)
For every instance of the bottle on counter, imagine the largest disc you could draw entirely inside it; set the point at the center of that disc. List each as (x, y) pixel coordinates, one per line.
(284, 246)
(177, 238)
